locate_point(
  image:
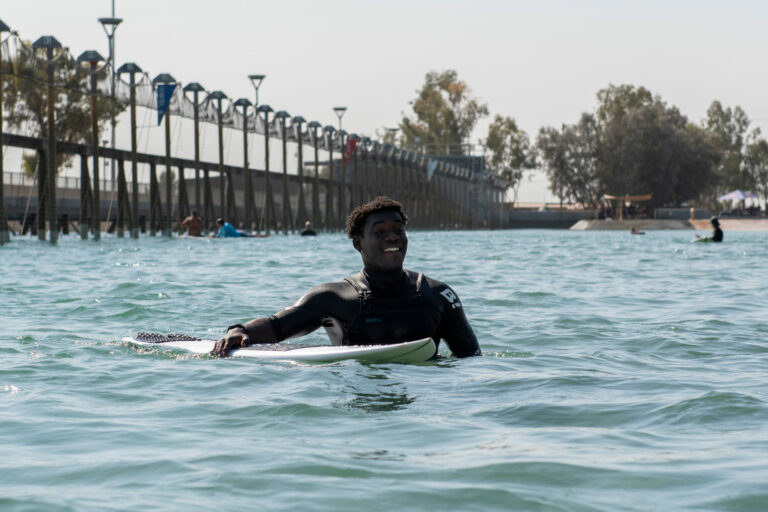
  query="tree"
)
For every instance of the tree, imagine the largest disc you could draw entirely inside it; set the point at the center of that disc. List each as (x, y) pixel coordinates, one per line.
(570, 160)
(25, 101)
(648, 146)
(445, 115)
(727, 128)
(510, 150)
(634, 144)
(756, 162)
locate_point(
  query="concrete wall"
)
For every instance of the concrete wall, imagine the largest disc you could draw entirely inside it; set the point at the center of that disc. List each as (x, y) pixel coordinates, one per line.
(547, 219)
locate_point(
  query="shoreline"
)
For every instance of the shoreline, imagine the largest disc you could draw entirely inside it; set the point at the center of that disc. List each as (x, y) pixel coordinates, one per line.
(758, 224)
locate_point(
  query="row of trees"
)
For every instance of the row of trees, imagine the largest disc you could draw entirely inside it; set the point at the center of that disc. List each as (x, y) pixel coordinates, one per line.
(633, 143)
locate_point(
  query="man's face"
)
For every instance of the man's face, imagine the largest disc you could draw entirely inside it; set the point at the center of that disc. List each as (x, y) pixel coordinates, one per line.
(383, 243)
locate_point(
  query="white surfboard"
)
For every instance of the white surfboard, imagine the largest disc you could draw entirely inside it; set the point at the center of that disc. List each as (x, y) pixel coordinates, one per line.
(408, 352)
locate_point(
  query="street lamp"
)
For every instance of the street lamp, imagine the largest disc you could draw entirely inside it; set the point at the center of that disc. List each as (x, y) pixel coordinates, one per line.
(340, 113)
(195, 88)
(393, 134)
(366, 142)
(110, 26)
(5, 237)
(249, 216)
(256, 82)
(328, 133)
(218, 96)
(132, 69)
(165, 79)
(93, 58)
(269, 205)
(281, 117)
(50, 43)
(313, 126)
(301, 206)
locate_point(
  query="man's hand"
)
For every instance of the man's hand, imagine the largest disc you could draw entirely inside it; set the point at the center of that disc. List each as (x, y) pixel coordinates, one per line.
(235, 338)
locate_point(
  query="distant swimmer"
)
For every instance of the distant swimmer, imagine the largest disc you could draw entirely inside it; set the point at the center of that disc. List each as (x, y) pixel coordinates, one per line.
(382, 304)
(194, 224)
(227, 230)
(717, 233)
(308, 231)
(635, 231)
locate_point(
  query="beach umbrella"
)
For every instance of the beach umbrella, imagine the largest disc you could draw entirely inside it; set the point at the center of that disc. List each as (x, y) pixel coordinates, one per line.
(736, 195)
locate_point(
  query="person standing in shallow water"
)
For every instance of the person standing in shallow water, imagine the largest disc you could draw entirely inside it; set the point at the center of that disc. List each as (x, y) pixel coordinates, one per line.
(382, 304)
(193, 224)
(308, 231)
(717, 233)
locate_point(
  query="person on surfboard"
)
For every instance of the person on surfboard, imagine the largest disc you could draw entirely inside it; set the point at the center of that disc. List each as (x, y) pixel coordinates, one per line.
(717, 233)
(382, 304)
(227, 230)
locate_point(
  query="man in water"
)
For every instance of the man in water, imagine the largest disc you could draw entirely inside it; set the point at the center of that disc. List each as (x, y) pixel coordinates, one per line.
(193, 224)
(308, 231)
(382, 304)
(717, 233)
(227, 230)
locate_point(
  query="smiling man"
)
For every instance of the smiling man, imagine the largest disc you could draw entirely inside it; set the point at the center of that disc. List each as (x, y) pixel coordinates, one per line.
(381, 304)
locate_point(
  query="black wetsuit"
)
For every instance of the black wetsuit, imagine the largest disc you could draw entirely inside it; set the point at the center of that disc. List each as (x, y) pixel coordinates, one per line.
(370, 308)
(717, 234)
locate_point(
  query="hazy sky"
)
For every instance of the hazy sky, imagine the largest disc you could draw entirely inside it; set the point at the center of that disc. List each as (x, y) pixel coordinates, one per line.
(540, 62)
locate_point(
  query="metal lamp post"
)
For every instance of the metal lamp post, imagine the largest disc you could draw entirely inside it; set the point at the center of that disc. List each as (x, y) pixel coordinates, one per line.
(301, 205)
(4, 235)
(268, 203)
(340, 111)
(195, 88)
(110, 26)
(281, 117)
(132, 69)
(313, 126)
(256, 82)
(354, 189)
(248, 183)
(218, 96)
(50, 43)
(167, 79)
(93, 58)
(366, 142)
(328, 132)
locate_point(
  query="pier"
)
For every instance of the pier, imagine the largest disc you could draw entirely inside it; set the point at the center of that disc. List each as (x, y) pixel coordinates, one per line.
(342, 169)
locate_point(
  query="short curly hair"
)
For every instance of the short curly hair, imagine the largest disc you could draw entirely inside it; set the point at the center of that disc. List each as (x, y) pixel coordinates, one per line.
(357, 217)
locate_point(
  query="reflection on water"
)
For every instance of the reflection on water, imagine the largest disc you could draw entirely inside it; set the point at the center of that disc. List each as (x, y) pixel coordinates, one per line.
(384, 455)
(373, 391)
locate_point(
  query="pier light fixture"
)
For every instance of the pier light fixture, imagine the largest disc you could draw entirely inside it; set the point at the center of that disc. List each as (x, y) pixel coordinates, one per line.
(256, 82)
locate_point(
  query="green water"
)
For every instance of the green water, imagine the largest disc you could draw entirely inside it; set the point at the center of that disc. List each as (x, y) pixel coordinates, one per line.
(620, 373)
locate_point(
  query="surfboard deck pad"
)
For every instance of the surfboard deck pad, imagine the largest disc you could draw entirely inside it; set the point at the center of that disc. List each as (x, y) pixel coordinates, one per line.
(407, 352)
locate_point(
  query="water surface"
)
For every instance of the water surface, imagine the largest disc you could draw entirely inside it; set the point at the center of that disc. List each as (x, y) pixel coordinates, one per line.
(620, 373)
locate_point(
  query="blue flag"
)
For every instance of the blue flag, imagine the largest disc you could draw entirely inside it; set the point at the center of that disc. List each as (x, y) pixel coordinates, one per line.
(431, 168)
(164, 93)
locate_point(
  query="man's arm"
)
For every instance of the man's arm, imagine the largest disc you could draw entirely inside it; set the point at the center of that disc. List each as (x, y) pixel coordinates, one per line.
(303, 317)
(240, 335)
(454, 327)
